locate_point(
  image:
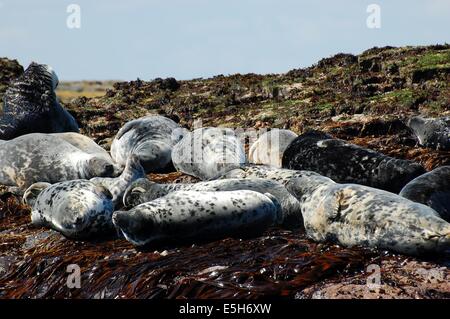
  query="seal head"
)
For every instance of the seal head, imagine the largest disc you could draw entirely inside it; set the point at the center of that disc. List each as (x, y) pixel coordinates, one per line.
(431, 132)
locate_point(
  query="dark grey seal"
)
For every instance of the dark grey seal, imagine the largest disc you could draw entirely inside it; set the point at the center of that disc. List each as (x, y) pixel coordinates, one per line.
(30, 105)
(431, 189)
(348, 163)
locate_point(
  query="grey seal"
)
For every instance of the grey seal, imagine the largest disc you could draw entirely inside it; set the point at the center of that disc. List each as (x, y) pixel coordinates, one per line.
(208, 152)
(38, 157)
(78, 209)
(431, 189)
(30, 105)
(144, 190)
(268, 149)
(117, 186)
(151, 138)
(190, 216)
(431, 132)
(351, 214)
(348, 163)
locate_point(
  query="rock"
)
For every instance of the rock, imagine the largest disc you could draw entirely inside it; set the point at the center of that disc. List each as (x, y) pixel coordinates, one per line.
(168, 84)
(370, 64)
(429, 74)
(9, 70)
(410, 280)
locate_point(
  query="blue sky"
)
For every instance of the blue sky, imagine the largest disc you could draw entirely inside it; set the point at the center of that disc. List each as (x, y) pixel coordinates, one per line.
(201, 38)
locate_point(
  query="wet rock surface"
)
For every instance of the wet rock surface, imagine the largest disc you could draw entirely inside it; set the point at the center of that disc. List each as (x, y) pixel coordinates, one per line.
(399, 278)
(363, 99)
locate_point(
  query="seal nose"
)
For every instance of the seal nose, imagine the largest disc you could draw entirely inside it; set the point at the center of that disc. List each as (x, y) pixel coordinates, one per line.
(119, 219)
(134, 227)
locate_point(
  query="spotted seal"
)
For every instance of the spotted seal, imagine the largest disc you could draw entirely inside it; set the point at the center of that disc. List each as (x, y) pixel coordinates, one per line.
(144, 190)
(208, 152)
(431, 189)
(117, 186)
(351, 214)
(30, 105)
(191, 216)
(151, 138)
(348, 163)
(431, 132)
(251, 171)
(39, 157)
(78, 209)
(268, 149)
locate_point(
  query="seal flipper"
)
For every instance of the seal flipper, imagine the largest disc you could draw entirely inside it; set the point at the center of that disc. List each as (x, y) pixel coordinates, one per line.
(32, 192)
(118, 186)
(141, 191)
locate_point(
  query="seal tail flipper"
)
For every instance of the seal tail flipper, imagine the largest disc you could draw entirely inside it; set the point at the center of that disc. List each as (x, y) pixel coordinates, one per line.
(32, 192)
(131, 194)
(134, 191)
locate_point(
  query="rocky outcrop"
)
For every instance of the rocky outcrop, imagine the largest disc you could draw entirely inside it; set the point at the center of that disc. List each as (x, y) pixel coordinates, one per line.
(9, 69)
